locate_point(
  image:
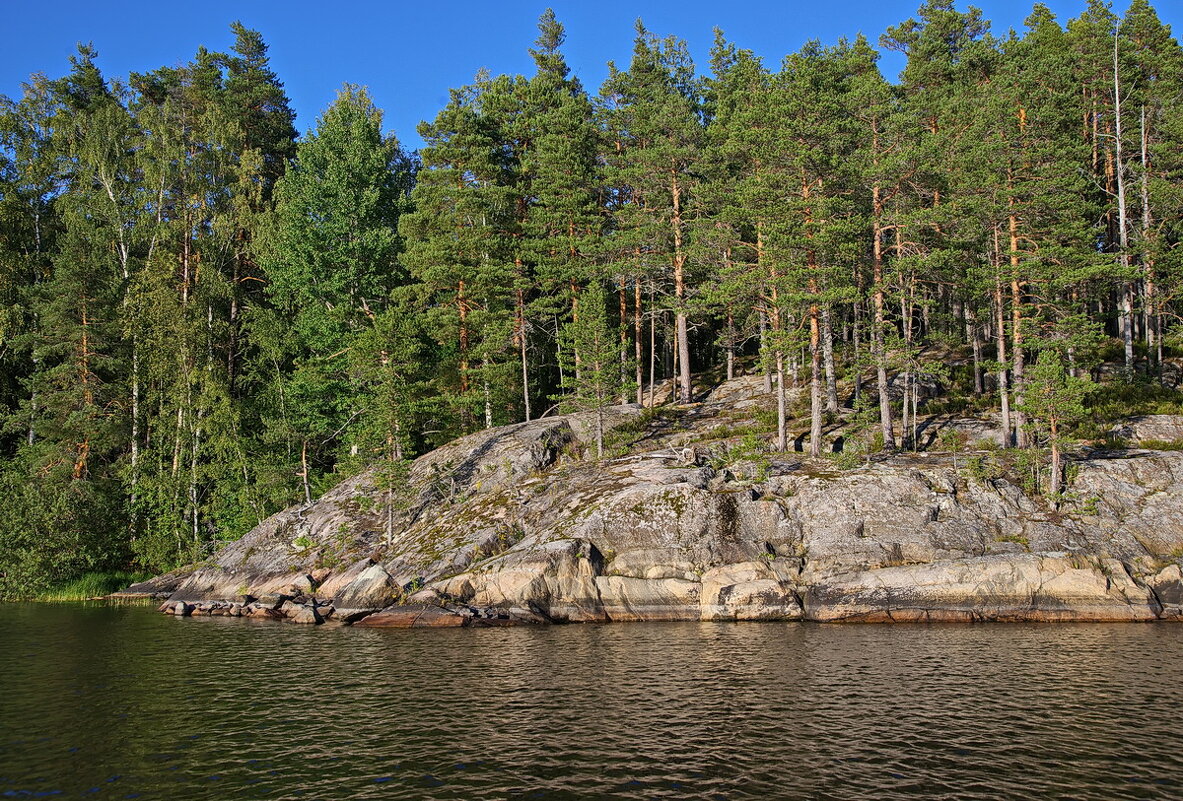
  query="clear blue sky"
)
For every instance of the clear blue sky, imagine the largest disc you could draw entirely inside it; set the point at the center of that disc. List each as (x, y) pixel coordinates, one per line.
(410, 53)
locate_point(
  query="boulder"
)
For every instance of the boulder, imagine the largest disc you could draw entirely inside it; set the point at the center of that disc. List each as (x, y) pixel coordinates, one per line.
(653, 563)
(370, 589)
(1167, 586)
(749, 591)
(306, 614)
(158, 587)
(260, 612)
(763, 599)
(970, 432)
(631, 599)
(555, 580)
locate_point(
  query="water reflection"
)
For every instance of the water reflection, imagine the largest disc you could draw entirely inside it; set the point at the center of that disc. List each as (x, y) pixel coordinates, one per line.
(111, 702)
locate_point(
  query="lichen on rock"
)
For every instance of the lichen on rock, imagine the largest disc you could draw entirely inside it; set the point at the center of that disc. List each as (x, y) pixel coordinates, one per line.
(508, 526)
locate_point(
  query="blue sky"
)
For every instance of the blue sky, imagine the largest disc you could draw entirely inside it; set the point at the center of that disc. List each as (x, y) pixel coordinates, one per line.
(410, 53)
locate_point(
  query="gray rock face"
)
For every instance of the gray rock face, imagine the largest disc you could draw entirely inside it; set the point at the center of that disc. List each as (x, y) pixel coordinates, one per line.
(1020, 587)
(364, 588)
(157, 587)
(1152, 428)
(508, 526)
(968, 431)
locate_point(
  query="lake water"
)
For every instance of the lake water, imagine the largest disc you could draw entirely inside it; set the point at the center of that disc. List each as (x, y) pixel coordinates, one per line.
(120, 702)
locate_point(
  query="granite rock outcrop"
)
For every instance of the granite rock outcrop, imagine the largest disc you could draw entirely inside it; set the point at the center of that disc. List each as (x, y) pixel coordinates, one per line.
(519, 525)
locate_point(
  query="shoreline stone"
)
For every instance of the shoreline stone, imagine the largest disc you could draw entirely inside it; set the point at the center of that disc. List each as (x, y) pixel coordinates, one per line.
(506, 527)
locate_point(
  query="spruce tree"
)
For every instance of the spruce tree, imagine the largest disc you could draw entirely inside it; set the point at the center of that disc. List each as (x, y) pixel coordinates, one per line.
(598, 382)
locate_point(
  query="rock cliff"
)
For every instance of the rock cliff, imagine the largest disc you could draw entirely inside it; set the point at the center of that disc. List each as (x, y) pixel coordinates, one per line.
(688, 522)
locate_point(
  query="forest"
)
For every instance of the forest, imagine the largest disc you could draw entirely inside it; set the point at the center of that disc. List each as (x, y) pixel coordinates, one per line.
(206, 318)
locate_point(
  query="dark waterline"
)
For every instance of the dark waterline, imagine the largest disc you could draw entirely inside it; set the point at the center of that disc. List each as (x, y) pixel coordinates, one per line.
(119, 702)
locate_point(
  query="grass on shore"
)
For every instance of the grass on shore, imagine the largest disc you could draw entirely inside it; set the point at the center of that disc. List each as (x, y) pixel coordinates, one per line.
(91, 585)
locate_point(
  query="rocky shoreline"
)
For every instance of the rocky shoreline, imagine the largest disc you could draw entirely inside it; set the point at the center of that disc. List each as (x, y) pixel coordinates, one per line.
(511, 526)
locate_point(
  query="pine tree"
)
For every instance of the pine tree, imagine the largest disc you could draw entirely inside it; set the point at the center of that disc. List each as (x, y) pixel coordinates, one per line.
(1054, 400)
(461, 248)
(807, 220)
(1154, 66)
(556, 187)
(882, 141)
(652, 115)
(724, 236)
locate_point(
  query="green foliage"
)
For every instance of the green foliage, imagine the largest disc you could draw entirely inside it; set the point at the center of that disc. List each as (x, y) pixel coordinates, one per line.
(203, 321)
(1111, 402)
(1053, 398)
(331, 252)
(983, 468)
(847, 458)
(1018, 539)
(1028, 469)
(91, 585)
(751, 451)
(1162, 444)
(595, 381)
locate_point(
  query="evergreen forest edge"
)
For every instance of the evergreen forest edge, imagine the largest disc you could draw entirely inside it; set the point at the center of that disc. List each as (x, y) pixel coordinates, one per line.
(204, 319)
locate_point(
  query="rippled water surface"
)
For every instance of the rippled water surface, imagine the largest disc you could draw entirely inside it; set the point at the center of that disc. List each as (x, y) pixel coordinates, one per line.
(119, 702)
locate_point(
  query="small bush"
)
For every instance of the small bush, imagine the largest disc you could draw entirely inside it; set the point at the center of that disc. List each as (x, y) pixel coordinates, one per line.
(751, 449)
(983, 468)
(846, 459)
(1015, 538)
(952, 405)
(1162, 444)
(1028, 467)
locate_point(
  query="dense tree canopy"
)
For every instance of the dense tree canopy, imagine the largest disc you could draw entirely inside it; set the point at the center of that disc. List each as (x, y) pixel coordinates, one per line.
(204, 318)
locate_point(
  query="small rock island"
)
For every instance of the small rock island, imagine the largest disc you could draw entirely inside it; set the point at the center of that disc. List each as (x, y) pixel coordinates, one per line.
(511, 526)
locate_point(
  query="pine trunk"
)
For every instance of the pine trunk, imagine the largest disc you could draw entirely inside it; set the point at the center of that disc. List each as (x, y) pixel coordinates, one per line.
(1016, 311)
(1123, 257)
(637, 333)
(974, 336)
(1057, 470)
(1000, 343)
(681, 332)
(828, 357)
(877, 347)
(815, 380)
(520, 326)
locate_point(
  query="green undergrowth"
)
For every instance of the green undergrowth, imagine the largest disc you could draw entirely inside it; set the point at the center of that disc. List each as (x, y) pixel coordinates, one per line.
(654, 421)
(1162, 444)
(91, 585)
(1118, 400)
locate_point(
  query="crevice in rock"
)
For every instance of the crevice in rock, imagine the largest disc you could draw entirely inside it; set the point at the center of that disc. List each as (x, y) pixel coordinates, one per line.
(1156, 604)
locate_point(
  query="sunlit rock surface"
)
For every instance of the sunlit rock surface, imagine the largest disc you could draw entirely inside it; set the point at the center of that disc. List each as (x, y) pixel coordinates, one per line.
(519, 525)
